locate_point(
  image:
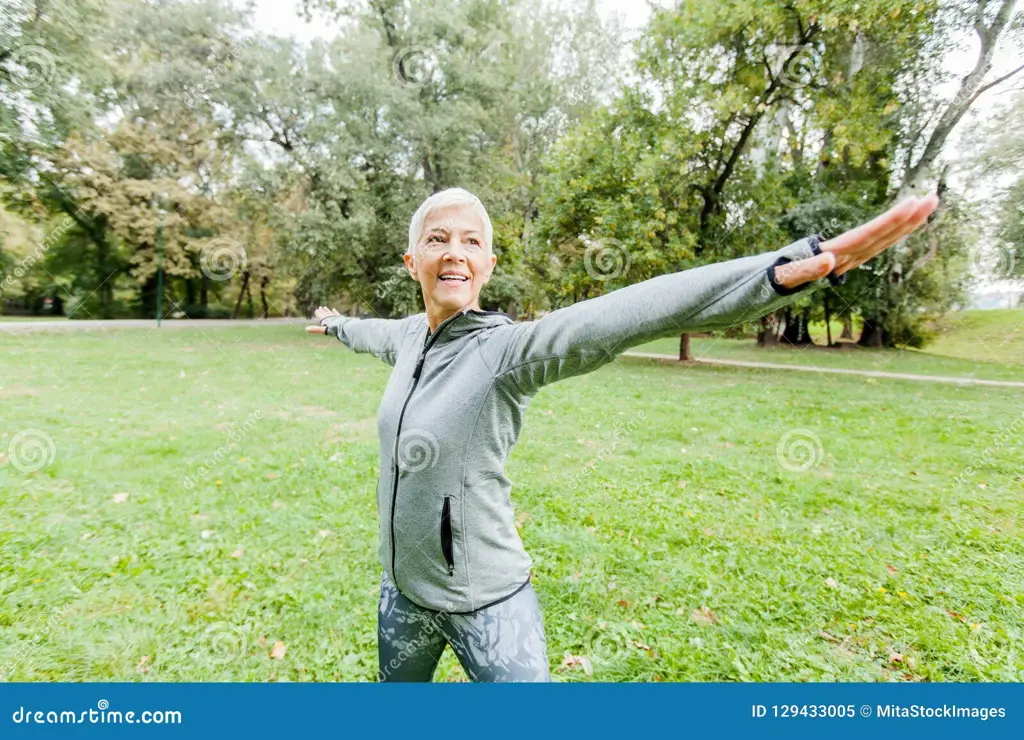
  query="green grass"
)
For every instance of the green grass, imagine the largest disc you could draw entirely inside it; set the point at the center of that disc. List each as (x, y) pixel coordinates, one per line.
(972, 344)
(672, 538)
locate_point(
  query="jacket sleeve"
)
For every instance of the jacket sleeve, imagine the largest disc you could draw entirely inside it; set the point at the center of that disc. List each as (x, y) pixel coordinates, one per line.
(586, 335)
(380, 337)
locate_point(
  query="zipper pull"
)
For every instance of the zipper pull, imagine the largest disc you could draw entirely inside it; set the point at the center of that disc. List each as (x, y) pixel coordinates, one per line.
(451, 569)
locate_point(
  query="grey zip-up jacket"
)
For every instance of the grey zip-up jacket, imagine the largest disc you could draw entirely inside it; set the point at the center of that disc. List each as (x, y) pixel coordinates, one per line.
(454, 405)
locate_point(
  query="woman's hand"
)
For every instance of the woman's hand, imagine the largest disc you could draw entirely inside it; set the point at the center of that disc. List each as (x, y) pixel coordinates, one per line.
(320, 314)
(855, 247)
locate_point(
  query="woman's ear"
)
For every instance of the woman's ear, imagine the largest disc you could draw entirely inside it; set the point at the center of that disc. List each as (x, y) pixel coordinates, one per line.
(410, 266)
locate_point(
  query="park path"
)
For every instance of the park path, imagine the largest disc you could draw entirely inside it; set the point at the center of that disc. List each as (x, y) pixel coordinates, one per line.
(837, 370)
(21, 327)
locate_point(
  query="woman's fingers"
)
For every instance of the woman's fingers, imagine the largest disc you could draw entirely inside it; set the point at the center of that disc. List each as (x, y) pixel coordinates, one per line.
(901, 229)
(315, 330)
(871, 231)
(857, 246)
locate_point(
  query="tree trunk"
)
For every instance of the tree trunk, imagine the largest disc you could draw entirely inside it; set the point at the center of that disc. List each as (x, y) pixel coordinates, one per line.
(245, 287)
(795, 332)
(847, 328)
(767, 334)
(828, 322)
(204, 293)
(263, 296)
(684, 348)
(872, 335)
(971, 87)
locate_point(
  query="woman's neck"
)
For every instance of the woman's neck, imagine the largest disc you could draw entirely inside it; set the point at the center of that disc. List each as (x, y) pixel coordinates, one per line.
(437, 316)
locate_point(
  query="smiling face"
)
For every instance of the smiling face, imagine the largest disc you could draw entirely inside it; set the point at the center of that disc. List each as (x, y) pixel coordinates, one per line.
(452, 261)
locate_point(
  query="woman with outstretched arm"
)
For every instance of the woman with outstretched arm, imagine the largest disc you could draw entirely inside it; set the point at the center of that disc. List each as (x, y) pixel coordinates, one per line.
(454, 570)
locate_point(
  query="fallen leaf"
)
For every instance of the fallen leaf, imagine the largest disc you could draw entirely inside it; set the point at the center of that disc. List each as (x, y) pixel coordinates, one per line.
(238, 552)
(273, 476)
(831, 582)
(956, 616)
(624, 604)
(570, 661)
(120, 498)
(277, 652)
(891, 569)
(142, 667)
(895, 657)
(825, 635)
(704, 616)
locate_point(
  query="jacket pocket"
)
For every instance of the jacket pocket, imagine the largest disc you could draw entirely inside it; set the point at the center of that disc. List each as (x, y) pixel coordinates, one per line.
(446, 535)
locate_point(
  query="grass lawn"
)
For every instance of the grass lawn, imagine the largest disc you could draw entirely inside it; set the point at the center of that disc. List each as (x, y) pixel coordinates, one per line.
(971, 344)
(695, 524)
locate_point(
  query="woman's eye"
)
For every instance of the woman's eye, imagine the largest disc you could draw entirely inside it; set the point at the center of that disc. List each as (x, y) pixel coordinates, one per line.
(435, 238)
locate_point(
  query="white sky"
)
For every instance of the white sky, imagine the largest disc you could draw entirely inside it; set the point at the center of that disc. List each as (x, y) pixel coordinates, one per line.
(282, 18)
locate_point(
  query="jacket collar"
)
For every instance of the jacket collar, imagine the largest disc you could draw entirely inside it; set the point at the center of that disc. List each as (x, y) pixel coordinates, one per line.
(466, 321)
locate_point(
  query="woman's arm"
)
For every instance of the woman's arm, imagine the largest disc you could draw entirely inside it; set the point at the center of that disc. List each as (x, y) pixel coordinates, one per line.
(586, 335)
(380, 337)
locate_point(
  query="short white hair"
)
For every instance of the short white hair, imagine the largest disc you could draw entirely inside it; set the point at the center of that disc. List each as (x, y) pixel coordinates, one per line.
(443, 199)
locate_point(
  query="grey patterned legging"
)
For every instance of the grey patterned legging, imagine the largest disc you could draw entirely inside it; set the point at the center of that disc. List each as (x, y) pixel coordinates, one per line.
(503, 642)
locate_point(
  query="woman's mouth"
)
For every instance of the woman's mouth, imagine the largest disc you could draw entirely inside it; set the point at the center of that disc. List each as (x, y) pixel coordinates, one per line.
(453, 279)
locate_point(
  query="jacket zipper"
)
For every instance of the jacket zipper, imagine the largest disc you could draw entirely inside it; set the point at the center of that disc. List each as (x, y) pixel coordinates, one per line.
(398, 435)
(446, 535)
